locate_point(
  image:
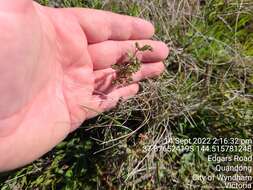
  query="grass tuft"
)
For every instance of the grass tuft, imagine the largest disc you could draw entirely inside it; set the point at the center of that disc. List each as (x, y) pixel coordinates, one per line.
(206, 91)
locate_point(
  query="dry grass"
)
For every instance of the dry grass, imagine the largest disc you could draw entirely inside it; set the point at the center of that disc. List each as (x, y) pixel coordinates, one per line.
(205, 92)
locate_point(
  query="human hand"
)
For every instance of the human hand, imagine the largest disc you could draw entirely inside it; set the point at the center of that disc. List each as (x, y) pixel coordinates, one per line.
(56, 72)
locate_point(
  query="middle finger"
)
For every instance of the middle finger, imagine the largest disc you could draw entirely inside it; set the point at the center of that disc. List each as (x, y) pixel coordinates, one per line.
(108, 53)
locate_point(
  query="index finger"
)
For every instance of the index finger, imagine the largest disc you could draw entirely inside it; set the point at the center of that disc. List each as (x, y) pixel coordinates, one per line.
(100, 25)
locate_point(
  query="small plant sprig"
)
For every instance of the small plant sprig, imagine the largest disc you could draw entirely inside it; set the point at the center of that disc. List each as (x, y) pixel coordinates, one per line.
(131, 65)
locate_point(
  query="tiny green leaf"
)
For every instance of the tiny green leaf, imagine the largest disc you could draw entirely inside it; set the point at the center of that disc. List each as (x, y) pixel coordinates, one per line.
(146, 48)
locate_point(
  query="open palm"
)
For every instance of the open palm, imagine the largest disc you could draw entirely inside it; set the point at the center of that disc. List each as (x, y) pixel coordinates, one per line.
(61, 62)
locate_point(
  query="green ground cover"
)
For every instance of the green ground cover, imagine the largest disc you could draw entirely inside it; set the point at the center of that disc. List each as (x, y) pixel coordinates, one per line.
(206, 92)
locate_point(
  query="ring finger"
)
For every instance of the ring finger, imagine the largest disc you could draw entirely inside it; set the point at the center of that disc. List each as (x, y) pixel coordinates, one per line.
(104, 78)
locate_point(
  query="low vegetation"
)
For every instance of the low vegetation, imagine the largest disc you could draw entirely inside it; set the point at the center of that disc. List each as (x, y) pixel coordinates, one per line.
(206, 92)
